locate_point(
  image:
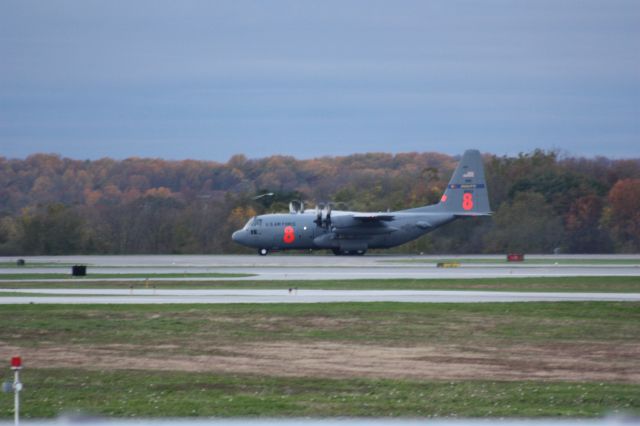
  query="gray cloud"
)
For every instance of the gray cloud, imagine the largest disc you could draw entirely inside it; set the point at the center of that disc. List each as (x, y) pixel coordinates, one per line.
(208, 79)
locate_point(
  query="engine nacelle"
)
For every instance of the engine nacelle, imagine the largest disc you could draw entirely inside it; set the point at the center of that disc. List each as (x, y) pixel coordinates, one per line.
(343, 221)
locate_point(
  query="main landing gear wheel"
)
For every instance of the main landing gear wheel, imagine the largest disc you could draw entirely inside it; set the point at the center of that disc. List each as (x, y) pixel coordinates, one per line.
(263, 252)
(339, 252)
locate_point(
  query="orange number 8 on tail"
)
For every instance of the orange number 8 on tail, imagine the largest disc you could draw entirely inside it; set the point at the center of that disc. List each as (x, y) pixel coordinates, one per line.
(467, 201)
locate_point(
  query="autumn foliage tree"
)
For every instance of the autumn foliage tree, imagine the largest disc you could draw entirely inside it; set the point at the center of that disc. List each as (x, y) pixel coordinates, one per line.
(583, 231)
(623, 214)
(55, 205)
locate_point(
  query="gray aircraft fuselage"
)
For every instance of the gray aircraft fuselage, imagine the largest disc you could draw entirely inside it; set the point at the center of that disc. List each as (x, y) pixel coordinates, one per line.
(269, 231)
(346, 232)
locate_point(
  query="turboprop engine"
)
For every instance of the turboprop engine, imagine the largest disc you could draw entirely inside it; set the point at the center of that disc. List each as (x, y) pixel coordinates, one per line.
(323, 216)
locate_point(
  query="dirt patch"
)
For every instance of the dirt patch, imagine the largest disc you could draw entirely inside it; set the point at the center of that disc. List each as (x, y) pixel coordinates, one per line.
(561, 362)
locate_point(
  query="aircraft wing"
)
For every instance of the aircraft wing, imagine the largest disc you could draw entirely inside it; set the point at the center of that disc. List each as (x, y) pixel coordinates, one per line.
(365, 221)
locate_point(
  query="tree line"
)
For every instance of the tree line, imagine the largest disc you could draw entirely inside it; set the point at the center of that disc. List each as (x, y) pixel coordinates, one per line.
(542, 201)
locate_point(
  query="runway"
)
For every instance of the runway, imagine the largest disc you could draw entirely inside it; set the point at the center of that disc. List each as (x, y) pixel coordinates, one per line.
(312, 274)
(144, 296)
(295, 260)
(321, 267)
(300, 268)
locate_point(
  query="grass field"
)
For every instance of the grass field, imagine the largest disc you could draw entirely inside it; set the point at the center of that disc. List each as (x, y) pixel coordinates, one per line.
(351, 359)
(581, 284)
(386, 323)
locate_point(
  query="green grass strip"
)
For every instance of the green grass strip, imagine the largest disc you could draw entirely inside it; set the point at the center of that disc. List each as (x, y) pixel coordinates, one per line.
(387, 323)
(560, 284)
(50, 392)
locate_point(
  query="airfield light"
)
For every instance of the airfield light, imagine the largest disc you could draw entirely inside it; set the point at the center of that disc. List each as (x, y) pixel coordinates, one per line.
(16, 387)
(16, 362)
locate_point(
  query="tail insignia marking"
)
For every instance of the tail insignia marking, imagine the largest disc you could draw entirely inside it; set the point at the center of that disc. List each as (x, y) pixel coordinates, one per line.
(466, 186)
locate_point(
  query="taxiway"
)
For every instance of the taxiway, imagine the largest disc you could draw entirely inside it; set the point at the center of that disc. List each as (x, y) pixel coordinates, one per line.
(161, 296)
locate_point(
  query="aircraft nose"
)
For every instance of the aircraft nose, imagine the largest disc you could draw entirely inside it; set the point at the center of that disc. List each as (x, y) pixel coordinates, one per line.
(237, 236)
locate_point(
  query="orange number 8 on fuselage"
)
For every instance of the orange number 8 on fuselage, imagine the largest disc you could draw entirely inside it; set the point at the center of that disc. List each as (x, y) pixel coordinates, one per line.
(289, 235)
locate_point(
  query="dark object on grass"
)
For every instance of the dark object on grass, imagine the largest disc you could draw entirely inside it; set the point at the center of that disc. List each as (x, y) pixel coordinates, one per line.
(20, 262)
(79, 270)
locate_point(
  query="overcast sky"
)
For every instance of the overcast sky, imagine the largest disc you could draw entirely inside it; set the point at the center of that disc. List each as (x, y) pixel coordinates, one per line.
(209, 79)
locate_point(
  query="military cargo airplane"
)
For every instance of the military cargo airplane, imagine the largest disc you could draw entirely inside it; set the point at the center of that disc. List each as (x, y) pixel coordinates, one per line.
(353, 233)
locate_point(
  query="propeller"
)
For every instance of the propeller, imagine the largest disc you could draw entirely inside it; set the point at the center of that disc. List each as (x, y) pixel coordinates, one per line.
(318, 220)
(323, 215)
(327, 216)
(296, 206)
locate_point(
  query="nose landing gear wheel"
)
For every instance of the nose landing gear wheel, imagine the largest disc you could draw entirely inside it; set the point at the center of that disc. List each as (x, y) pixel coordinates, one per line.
(263, 252)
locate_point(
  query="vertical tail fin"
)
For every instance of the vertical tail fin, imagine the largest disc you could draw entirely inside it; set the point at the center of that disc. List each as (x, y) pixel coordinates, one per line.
(466, 193)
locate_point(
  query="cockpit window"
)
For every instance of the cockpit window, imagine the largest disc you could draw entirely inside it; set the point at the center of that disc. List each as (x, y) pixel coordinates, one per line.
(249, 223)
(253, 223)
